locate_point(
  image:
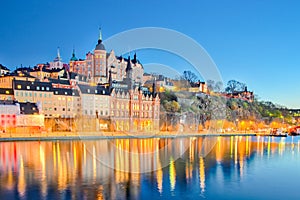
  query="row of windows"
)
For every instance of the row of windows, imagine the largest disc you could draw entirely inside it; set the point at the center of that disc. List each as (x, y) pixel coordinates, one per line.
(30, 94)
(91, 112)
(8, 122)
(7, 116)
(66, 93)
(37, 87)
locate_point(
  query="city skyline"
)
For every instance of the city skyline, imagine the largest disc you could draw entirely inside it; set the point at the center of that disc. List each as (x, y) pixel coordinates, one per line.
(255, 43)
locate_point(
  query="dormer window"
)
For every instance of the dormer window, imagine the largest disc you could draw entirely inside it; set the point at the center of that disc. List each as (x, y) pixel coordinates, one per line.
(43, 88)
(28, 87)
(37, 87)
(88, 90)
(96, 91)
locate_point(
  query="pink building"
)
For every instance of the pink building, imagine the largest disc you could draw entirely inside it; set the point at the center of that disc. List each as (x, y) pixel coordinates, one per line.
(98, 64)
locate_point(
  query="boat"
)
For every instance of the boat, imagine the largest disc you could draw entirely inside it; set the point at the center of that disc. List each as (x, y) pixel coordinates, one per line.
(277, 132)
(294, 131)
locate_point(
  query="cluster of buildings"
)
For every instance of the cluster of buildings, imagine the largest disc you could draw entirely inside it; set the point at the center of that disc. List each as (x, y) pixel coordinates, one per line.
(103, 91)
(243, 95)
(103, 88)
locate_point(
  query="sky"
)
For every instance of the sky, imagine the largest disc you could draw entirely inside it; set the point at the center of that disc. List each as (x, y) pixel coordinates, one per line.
(255, 42)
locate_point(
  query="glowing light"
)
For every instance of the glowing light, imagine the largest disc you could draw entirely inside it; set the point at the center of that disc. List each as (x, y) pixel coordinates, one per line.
(172, 174)
(21, 179)
(202, 174)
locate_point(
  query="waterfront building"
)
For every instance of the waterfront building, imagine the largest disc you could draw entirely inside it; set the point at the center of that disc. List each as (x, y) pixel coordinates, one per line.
(20, 117)
(65, 103)
(133, 107)
(95, 101)
(8, 112)
(53, 101)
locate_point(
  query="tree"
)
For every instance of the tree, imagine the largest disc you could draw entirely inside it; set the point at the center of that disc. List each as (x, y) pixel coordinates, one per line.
(189, 77)
(212, 86)
(235, 86)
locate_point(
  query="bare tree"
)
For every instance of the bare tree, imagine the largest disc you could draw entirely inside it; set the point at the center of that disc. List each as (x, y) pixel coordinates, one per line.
(189, 76)
(214, 86)
(235, 86)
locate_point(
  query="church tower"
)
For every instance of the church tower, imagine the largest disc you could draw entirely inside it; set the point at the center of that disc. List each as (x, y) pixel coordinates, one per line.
(99, 61)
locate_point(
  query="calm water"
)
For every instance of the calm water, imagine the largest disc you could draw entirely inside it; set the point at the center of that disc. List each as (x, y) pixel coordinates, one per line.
(235, 168)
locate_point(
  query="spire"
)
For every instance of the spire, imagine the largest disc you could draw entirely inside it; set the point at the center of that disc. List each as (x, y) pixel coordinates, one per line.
(128, 64)
(100, 36)
(58, 54)
(99, 45)
(73, 58)
(154, 88)
(110, 80)
(134, 58)
(58, 58)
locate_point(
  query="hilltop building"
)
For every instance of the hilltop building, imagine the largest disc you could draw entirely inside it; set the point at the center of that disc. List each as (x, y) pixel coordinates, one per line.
(97, 65)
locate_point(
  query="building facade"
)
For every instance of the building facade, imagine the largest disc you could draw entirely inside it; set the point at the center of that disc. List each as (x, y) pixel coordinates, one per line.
(97, 65)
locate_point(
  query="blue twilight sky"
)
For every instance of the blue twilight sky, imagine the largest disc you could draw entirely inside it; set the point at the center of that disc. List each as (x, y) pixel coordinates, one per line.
(256, 42)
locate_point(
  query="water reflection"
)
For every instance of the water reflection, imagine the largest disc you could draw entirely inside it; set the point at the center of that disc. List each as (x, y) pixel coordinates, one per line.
(80, 170)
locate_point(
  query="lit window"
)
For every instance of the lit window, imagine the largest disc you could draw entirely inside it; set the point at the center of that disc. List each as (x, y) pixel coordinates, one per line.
(47, 88)
(28, 87)
(37, 87)
(43, 88)
(6, 92)
(19, 86)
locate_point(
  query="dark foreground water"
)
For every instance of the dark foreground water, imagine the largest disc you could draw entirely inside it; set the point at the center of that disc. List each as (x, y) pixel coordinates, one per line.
(235, 168)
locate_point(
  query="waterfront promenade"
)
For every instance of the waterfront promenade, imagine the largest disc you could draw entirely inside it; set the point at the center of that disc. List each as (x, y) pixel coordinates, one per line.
(106, 135)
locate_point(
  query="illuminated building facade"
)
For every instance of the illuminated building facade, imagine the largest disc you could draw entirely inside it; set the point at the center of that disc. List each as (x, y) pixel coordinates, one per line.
(3, 70)
(97, 65)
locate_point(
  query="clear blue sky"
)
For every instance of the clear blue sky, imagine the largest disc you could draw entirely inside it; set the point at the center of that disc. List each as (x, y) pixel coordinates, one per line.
(256, 42)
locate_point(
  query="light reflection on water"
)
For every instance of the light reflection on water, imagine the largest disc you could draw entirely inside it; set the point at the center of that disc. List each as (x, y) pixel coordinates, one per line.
(236, 168)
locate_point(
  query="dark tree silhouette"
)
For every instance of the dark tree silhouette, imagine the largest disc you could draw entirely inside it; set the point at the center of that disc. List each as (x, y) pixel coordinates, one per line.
(235, 86)
(190, 77)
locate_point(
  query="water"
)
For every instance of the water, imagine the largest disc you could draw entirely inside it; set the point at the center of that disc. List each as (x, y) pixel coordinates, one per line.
(235, 168)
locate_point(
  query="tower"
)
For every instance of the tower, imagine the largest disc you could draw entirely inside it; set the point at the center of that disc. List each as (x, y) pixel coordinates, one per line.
(99, 71)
